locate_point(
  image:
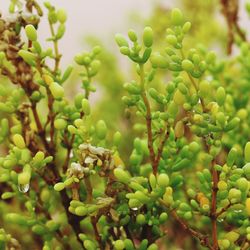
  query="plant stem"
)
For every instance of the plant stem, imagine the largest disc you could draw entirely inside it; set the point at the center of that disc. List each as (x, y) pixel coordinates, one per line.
(202, 238)
(88, 189)
(148, 119)
(213, 214)
(55, 42)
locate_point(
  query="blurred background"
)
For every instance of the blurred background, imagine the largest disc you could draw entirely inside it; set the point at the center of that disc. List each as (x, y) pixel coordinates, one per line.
(107, 17)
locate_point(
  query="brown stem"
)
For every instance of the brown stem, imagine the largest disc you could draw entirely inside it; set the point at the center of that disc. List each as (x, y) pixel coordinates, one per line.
(75, 192)
(51, 118)
(224, 209)
(69, 147)
(213, 214)
(148, 120)
(230, 11)
(40, 129)
(160, 149)
(97, 235)
(88, 189)
(202, 238)
(73, 220)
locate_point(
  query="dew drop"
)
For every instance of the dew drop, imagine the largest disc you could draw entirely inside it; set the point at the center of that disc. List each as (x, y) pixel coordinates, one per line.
(135, 208)
(238, 211)
(24, 188)
(220, 220)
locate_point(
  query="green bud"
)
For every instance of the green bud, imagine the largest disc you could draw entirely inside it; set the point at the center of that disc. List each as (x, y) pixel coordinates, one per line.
(119, 245)
(132, 35)
(94, 67)
(232, 236)
(60, 31)
(101, 129)
(97, 50)
(16, 218)
(220, 96)
(67, 73)
(231, 157)
(80, 59)
(234, 194)
(220, 119)
(89, 245)
(187, 65)
(61, 15)
(117, 138)
(148, 36)
(85, 106)
(176, 17)
(242, 184)
(179, 129)
(158, 61)
(247, 152)
(122, 175)
(59, 186)
(224, 244)
(205, 88)
(246, 170)
(211, 57)
(188, 215)
(125, 50)
(31, 32)
(60, 124)
(182, 87)
(140, 219)
(234, 123)
(153, 247)
(194, 147)
(184, 163)
(186, 27)
(28, 57)
(173, 109)
(4, 127)
(121, 40)
(7, 195)
(45, 195)
(81, 211)
(128, 244)
(56, 90)
(171, 39)
(23, 178)
(163, 180)
(132, 88)
(184, 207)
(38, 229)
(134, 203)
(152, 181)
(52, 225)
(140, 196)
(78, 100)
(222, 185)
(19, 141)
(163, 217)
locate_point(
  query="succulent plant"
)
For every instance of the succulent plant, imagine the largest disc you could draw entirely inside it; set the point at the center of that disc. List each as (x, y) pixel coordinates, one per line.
(66, 181)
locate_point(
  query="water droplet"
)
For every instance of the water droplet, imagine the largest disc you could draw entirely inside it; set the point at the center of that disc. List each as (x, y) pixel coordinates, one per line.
(135, 208)
(238, 211)
(220, 220)
(24, 188)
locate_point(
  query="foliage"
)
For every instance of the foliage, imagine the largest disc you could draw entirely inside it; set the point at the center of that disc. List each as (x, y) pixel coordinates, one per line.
(66, 182)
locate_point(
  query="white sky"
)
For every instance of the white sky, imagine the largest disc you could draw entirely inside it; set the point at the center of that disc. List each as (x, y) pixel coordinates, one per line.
(102, 18)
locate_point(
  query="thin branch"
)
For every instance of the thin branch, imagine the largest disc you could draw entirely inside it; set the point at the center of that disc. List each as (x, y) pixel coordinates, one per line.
(148, 119)
(213, 214)
(202, 238)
